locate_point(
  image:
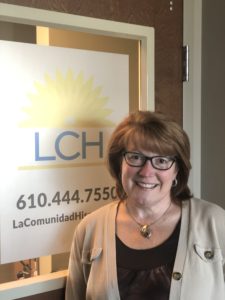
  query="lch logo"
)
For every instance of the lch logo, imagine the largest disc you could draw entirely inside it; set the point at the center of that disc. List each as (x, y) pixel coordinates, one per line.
(73, 107)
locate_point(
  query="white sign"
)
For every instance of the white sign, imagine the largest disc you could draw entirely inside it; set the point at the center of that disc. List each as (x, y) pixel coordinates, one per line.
(58, 109)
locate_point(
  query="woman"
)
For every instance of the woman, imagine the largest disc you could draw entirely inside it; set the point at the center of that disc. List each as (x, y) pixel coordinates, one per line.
(156, 241)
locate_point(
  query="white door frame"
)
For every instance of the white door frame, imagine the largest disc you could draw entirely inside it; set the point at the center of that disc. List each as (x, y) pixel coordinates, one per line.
(192, 89)
(34, 16)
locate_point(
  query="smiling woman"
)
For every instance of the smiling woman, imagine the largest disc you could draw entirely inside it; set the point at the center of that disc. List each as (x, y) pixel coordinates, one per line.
(136, 247)
(158, 134)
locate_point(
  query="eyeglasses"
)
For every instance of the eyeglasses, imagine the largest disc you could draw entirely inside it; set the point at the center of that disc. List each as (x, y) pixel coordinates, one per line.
(135, 159)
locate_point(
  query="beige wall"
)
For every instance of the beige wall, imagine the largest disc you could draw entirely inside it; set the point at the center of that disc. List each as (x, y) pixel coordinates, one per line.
(213, 101)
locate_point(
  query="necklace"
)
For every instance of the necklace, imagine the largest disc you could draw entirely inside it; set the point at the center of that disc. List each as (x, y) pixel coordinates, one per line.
(145, 229)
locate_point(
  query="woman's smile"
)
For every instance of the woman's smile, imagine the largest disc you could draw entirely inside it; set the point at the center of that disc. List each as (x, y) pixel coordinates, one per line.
(147, 183)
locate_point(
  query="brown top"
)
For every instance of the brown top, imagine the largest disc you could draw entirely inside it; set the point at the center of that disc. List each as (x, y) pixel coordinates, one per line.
(146, 274)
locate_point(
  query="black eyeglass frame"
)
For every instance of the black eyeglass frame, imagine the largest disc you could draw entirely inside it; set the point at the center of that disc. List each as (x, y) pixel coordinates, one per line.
(171, 158)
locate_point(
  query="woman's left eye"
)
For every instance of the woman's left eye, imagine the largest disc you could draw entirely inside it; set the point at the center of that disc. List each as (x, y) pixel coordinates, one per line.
(163, 160)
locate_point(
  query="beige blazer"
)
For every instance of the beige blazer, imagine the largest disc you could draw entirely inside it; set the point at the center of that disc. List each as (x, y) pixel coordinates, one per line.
(199, 267)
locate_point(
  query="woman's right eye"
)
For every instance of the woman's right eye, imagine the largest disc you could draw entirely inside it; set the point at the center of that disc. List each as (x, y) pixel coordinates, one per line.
(135, 157)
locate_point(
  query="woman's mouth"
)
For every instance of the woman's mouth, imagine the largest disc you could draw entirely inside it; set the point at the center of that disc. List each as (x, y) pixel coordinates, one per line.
(149, 186)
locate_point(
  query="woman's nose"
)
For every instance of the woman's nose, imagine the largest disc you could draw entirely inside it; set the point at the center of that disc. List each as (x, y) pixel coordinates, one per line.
(147, 169)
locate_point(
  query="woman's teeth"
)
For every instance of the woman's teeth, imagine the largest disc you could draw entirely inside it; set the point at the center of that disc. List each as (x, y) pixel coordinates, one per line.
(147, 185)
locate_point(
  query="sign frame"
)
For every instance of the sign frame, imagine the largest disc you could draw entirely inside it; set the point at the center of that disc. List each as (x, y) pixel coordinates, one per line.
(146, 36)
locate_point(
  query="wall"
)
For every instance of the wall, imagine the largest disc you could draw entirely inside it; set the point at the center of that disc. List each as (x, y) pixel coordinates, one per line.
(213, 101)
(203, 96)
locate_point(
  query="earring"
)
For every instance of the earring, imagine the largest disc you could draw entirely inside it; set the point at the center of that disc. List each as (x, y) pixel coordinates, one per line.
(174, 183)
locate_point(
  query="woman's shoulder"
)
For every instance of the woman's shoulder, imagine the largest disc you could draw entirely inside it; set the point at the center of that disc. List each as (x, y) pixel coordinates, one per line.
(207, 208)
(207, 221)
(93, 225)
(99, 214)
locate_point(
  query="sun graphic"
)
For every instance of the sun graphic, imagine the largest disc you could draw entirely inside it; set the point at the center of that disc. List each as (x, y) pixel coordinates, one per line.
(65, 101)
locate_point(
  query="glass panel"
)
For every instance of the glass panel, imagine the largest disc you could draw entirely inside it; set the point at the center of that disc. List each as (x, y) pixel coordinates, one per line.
(68, 39)
(81, 40)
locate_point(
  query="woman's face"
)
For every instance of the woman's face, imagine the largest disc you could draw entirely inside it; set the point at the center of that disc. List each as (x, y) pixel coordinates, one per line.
(147, 185)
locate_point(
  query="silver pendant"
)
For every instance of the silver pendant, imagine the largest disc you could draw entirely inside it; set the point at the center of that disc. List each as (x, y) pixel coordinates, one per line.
(145, 231)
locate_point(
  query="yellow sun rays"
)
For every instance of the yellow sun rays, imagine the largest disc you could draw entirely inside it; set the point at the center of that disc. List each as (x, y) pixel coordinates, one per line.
(65, 101)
